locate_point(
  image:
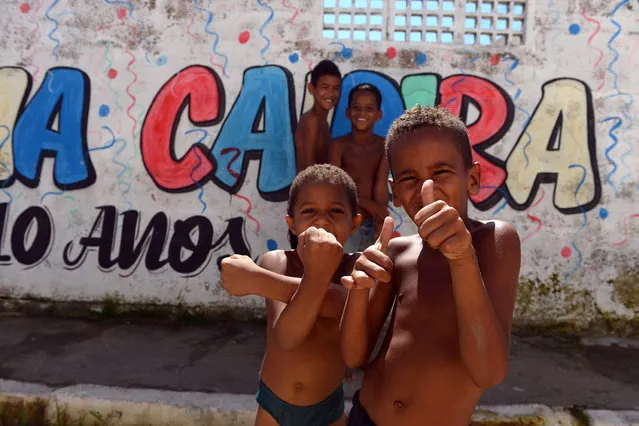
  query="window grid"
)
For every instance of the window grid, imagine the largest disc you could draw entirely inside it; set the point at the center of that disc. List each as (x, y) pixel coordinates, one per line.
(469, 22)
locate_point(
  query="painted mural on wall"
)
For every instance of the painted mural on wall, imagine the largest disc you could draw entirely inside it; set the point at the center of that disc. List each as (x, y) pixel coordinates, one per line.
(140, 143)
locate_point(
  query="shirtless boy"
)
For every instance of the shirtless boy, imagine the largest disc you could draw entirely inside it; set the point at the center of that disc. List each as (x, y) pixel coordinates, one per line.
(302, 370)
(312, 135)
(453, 286)
(361, 154)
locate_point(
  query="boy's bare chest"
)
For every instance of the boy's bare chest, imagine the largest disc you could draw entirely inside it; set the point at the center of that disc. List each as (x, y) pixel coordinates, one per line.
(424, 289)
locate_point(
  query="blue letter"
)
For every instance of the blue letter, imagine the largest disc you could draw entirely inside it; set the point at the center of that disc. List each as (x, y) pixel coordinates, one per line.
(267, 96)
(64, 94)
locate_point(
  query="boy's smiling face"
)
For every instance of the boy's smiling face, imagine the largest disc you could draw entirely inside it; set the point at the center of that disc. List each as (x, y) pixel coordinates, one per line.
(326, 206)
(363, 111)
(431, 154)
(326, 91)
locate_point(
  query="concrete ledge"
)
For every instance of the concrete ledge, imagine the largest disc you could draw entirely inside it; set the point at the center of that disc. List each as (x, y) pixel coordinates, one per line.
(101, 405)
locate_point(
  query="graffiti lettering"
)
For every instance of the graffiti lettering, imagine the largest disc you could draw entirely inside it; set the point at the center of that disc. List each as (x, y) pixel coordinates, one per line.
(31, 235)
(260, 125)
(153, 241)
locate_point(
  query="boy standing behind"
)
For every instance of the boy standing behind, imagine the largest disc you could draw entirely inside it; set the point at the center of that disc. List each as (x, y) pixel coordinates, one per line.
(361, 155)
(312, 135)
(453, 287)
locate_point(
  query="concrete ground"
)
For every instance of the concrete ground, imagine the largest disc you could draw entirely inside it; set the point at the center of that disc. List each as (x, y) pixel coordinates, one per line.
(549, 370)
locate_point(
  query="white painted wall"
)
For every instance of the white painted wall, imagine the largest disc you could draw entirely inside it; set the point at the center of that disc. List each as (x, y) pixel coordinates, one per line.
(579, 236)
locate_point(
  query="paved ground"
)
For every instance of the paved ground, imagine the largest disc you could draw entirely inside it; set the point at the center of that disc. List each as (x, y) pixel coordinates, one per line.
(225, 357)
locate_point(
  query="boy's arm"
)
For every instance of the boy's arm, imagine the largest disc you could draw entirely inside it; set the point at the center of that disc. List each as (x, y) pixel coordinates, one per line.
(241, 277)
(485, 304)
(306, 141)
(335, 153)
(321, 257)
(380, 190)
(367, 304)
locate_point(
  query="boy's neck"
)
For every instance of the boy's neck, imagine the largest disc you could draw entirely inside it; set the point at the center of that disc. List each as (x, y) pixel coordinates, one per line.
(319, 111)
(362, 137)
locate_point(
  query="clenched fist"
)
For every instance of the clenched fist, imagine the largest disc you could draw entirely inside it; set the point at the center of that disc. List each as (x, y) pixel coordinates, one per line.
(319, 251)
(236, 275)
(441, 227)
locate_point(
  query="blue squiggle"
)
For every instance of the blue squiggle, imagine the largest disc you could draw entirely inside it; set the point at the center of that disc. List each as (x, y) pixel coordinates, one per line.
(54, 51)
(510, 69)
(399, 216)
(5, 140)
(129, 6)
(214, 34)
(108, 145)
(123, 166)
(46, 194)
(268, 20)
(200, 196)
(583, 225)
(610, 147)
(503, 192)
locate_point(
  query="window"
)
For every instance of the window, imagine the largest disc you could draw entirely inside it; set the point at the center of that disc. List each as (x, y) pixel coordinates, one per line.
(469, 22)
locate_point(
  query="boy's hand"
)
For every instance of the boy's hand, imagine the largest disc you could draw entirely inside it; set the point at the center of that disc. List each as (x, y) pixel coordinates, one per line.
(319, 251)
(373, 265)
(441, 227)
(236, 274)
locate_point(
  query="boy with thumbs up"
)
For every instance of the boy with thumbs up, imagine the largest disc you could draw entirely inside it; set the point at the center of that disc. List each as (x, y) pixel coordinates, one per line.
(452, 287)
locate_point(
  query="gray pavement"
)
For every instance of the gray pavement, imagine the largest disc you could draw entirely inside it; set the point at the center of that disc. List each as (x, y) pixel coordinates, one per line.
(225, 357)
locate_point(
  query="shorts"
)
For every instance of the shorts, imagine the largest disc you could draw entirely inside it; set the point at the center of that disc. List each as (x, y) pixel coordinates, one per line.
(363, 238)
(324, 413)
(358, 415)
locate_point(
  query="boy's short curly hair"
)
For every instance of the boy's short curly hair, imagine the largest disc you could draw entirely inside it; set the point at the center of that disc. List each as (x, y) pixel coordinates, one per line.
(323, 68)
(366, 88)
(323, 173)
(435, 118)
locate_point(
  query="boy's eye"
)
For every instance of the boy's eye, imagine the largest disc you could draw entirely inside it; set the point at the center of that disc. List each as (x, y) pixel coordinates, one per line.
(337, 211)
(408, 179)
(308, 211)
(439, 172)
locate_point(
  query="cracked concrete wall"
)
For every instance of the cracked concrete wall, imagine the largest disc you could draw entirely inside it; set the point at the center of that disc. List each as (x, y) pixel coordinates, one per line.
(131, 163)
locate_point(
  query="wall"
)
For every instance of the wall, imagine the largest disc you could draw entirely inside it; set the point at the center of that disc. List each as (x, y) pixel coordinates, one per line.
(141, 142)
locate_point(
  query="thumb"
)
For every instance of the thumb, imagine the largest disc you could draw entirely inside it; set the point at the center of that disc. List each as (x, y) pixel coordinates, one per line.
(428, 195)
(385, 234)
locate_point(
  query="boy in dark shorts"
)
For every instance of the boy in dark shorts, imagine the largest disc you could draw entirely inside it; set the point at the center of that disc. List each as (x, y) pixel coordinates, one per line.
(302, 371)
(453, 287)
(361, 154)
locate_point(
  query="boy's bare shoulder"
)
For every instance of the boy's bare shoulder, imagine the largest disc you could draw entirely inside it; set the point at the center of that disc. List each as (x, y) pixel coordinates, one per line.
(502, 234)
(308, 119)
(276, 260)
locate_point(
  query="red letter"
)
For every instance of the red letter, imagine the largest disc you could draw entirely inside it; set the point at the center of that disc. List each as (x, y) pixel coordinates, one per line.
(495, 116)
(199, 88)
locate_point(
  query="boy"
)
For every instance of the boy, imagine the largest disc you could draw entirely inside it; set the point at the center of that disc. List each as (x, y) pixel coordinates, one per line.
(361, 155)
(302, 370)
(312, 135)
(453, 286)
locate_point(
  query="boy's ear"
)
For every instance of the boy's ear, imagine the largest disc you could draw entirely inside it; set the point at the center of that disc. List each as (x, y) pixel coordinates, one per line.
(379, 115)
(396, 201)
(356, 221)
(289, 222)
(311, 89)
(474, 179)
(348, 112)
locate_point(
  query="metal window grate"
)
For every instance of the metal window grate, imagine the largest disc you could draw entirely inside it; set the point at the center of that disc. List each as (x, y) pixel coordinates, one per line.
(469, 22)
